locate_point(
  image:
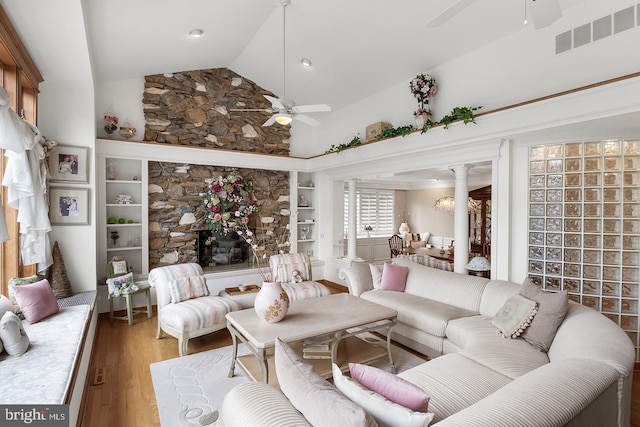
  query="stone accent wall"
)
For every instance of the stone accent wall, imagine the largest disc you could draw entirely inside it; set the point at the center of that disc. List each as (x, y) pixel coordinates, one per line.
(192, 108)
(176, 209)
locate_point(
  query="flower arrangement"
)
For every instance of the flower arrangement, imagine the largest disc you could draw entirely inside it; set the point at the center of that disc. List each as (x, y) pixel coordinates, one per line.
(125, 288)
(261, 251)
(423, 88)
(228, 205)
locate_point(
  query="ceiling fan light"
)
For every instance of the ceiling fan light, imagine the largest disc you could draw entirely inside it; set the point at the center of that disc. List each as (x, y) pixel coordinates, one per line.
(284, 119)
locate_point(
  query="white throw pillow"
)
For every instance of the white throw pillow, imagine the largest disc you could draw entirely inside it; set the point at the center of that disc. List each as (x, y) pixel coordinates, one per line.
(515, 316)
(5, 305)
(376, 275)
(320, 402)
(186, 288)
(12, 334)
(385, 412)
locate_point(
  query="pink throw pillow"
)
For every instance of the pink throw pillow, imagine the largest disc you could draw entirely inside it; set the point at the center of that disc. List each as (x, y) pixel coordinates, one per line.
(394, 277)
(390, 386)
(36, 300)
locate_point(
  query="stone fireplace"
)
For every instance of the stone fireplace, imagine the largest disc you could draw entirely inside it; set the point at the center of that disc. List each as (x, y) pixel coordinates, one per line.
(193, 109)
(176, 214)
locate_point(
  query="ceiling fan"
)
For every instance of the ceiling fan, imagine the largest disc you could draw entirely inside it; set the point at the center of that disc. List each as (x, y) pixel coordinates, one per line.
(543, 12)
(285, 110)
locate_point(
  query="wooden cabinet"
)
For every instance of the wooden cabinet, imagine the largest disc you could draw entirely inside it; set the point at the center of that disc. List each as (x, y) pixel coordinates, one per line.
(480, 222)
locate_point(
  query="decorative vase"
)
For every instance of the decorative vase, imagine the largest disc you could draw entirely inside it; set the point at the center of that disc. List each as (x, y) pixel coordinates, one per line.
(110, 123)
(422, 118)
(272, 302)
(127, 130)
(112, 171)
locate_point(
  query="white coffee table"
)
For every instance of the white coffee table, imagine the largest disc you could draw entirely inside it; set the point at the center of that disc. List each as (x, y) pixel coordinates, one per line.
(341, 315)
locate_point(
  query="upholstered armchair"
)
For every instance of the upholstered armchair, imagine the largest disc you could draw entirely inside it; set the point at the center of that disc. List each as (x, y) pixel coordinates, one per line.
(293, 271)
(185, 307)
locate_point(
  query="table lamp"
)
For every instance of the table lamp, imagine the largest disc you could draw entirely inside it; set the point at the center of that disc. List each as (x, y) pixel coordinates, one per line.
(479, 265)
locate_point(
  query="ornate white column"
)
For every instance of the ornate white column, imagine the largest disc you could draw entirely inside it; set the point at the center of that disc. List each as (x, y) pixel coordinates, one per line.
(352, 231)
(461, 219)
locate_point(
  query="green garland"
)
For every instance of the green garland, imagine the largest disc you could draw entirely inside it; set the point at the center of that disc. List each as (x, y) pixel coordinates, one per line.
(355, 141)
(464, 114)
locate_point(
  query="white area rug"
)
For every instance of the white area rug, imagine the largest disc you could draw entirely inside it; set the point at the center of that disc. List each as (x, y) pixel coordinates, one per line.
(191, 387)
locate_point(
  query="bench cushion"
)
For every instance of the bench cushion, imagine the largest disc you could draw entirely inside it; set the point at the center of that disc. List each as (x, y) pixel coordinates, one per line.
(43, 374)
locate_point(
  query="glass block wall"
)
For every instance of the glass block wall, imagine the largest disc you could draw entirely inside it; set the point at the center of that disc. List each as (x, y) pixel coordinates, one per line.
(584, 225)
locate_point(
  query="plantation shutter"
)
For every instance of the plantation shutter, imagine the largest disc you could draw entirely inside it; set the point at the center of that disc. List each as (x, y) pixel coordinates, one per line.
(373, 208)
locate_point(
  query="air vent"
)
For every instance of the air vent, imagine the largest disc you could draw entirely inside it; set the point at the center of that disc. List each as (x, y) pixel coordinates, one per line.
(623, 20)
(581, 35)
(563, 42)
(601, 28)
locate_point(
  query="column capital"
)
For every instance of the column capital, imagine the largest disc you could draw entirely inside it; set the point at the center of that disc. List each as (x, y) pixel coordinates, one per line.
(460, 168)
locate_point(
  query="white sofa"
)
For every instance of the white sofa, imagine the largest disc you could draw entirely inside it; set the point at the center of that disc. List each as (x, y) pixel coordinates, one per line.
(478, 378)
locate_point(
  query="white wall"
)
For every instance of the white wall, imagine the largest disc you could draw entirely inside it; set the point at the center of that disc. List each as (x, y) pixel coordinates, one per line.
(423, 217)
(65, 114)
(124, 99)
(514, 69)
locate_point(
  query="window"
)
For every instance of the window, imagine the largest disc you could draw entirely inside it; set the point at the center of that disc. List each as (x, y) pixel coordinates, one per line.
(20, 78)
(374, 208)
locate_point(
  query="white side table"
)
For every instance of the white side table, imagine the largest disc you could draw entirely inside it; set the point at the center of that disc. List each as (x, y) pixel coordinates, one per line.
(130, 310)
(245, 299)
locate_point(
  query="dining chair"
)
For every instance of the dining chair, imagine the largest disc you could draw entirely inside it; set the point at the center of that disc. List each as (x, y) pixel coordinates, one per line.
(395, 245)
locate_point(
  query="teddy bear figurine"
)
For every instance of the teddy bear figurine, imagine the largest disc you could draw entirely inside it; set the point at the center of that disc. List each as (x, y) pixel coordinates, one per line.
(295, 277)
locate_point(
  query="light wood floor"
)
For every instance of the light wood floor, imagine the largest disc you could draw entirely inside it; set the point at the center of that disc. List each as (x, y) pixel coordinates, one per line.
(126, 398)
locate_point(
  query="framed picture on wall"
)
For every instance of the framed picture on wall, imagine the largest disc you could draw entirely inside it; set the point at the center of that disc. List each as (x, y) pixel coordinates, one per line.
(69, 163)
(69, 206)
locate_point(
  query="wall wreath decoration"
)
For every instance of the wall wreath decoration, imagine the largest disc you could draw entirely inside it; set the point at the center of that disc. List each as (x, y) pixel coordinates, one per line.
(228, 203)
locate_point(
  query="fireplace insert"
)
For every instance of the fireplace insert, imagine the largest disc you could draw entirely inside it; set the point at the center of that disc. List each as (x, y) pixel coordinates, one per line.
(219, 249)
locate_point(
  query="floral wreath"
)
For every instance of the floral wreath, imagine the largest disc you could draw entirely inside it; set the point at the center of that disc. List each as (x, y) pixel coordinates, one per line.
(423, 88)
(228, 203)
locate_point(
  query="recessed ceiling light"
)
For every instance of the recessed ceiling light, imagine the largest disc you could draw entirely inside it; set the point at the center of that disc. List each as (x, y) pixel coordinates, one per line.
(306, 62)
(195, 33)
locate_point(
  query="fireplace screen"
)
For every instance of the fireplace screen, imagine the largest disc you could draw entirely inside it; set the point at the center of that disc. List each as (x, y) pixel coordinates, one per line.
(216, 249)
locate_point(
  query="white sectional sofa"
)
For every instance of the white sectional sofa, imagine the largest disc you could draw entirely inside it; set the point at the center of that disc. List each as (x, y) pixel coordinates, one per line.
(478, 378)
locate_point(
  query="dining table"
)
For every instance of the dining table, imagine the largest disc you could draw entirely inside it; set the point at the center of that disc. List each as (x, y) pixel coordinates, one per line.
(444, 255)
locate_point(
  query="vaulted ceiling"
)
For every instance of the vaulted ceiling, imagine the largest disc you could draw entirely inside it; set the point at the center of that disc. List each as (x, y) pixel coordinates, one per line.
(357, 47)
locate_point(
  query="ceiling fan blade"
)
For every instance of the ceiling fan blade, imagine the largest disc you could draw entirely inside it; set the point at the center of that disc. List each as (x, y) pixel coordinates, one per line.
(271, 120)
(275, 102)
(316, 108)
(265, 110)
(306, 119)
(449, 13)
